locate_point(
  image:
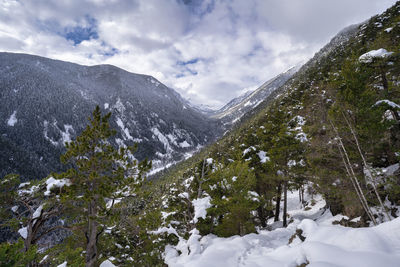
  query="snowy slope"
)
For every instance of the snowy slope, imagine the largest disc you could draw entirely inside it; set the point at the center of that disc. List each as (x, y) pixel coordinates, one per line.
(325, 244)
(237, 107)
(44, 103)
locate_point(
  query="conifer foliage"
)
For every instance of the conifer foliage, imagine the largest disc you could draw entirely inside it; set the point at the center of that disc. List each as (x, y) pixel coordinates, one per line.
(100, 177)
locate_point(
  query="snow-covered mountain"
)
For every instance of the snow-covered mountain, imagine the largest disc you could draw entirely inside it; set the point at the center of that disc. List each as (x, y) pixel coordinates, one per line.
(237, 107)
(44, 103)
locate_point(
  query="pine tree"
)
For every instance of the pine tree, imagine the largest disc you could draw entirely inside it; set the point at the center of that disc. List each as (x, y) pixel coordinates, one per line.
(233, 199)
(30, 207)
(100, 177)
(286, 151)
(15, 255)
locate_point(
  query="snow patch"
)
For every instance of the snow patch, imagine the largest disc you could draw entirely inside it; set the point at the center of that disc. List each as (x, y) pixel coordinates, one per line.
(291, 163)
(247, 150)
(121, 125)
(263, 156)
(44, 259)
(23, 184)
(66, 135)
(119, 106)
(12, 120)
(184, 144)
(107, 263)
(388, 102)
(154, 82)
(28, 191)
(369, 56)
(23, 232)
(37, 212)
(389, 29)
(200, 207)
(51, 182)
(161, 138)
(248, 103)
(253, 195)
(46, 125)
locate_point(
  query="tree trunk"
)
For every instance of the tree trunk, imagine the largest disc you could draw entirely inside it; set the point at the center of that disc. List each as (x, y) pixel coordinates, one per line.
(285, 203)
(28, 239)
(241, 232)
(368, 168)
(91, 236)
(384, 81)
(278, 202)
(300, 201)
(352, 176)
(201, 180)
(262, 216)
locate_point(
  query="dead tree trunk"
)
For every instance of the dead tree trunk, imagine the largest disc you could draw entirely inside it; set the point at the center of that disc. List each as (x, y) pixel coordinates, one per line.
(385, 83)
(201, 179)
(278, 202)
(367, 167)
(300, 196)
(353, 177)
(285, 204)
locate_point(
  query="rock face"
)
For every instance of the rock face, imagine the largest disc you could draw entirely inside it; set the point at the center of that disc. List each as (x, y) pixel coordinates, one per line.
(44, 103)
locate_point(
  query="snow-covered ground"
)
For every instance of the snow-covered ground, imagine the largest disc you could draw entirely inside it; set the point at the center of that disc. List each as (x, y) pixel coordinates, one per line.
(325, 244)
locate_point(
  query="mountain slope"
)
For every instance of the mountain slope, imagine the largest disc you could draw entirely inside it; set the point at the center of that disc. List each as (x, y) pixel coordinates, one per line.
(237, 107)
(322, 149)
(47, 102)
(332, 129)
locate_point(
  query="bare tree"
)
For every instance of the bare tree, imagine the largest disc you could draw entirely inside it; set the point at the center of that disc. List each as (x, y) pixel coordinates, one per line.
(352, 176)
(369, 171)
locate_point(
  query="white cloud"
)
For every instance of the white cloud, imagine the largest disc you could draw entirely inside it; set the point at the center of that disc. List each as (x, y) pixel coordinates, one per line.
(232, 45)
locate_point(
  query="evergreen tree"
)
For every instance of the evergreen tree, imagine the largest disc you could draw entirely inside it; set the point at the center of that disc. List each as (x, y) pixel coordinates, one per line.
(100, 177)
(286, 152)
(231, 189)
(30, 208)
(15, 255)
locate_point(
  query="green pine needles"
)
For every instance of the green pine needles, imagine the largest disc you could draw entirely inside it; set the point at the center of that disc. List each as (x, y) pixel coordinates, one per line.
(100, 177)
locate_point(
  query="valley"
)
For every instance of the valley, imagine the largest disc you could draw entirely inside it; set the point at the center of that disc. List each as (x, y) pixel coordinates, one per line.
(303, 171)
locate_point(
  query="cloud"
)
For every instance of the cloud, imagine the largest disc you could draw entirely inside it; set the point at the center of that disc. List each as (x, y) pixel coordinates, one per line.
(208, 50)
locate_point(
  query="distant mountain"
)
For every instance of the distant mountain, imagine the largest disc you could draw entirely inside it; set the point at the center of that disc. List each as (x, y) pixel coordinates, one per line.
(44, 103)
(202, 108)
(237, 107)
(333, 127)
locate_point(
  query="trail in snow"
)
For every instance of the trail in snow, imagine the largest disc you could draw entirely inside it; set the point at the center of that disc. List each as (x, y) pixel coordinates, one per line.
(325, 244)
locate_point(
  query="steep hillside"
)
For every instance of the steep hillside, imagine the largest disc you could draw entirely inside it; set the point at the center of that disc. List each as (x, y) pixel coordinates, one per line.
(332, 129)
(44, 103)
(237, 107)
(319, 156)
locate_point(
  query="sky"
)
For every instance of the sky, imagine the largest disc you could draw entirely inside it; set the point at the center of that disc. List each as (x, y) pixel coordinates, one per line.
(210, 51)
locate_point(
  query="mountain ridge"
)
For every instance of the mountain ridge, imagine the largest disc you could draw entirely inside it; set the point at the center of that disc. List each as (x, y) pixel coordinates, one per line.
(62, 93)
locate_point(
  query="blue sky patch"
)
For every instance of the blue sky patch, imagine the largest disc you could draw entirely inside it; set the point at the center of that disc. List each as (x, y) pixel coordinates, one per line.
(78, 34)
(111, 52)
(185, 66)
(184, 63)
